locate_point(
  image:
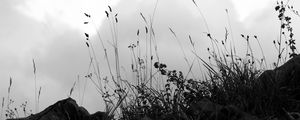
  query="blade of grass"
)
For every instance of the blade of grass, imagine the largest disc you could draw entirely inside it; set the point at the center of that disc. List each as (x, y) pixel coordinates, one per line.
(35, 92)
(182, 50)
(72, 89)
(198, 8)
(38, 102)
(232, 45)
(2, 107)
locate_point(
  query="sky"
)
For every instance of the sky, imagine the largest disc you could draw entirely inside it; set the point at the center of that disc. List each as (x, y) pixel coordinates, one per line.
(52, 33)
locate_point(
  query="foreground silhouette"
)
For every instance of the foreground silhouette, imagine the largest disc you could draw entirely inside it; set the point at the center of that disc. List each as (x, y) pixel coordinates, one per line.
(66, 109)
(282, 82)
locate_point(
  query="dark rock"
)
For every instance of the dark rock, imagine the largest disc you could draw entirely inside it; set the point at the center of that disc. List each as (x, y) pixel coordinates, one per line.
(286, 77)
(66, 109)
(281, 86)
(207, 110)
(289, 73)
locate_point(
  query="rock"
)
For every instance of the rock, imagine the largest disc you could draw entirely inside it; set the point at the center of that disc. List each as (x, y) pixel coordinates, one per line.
(287, 76)
(281, 86)
(289, 73)
(207, 110)
(66, 109)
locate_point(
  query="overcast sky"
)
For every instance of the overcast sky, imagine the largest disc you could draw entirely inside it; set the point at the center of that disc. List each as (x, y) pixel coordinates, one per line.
(52, 33)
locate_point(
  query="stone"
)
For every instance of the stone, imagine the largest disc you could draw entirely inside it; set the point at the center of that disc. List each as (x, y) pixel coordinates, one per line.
(286, 77)
(283, 85)
(66, 109)
(207, 110)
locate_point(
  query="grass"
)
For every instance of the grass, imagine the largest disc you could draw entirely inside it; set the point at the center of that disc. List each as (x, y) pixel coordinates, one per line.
(231, 80)
(228, 78)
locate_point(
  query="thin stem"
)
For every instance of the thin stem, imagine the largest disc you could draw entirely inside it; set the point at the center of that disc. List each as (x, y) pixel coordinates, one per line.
(34, 72)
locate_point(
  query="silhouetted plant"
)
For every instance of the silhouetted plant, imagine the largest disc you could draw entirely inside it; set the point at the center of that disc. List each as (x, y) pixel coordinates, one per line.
(231, 79)
(285, 30)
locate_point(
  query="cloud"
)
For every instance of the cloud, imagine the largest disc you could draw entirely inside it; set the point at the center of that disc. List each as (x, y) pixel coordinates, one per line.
(246, 8)
(66, 12)
(51, 32)
(56, 46)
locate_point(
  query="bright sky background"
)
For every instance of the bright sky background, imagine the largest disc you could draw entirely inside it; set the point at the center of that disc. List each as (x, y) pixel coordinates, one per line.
(51, 32)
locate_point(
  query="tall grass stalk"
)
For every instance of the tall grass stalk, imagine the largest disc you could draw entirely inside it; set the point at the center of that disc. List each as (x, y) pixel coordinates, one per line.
(204, 19)
(232, 44)
(152, 40)
(94, 62)
(183, 52)
(113, 21)
(198, 61)
(85, 82)
(2, 107)
(8, 95)
(38, 98)
(264, 60)
(35, 91)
